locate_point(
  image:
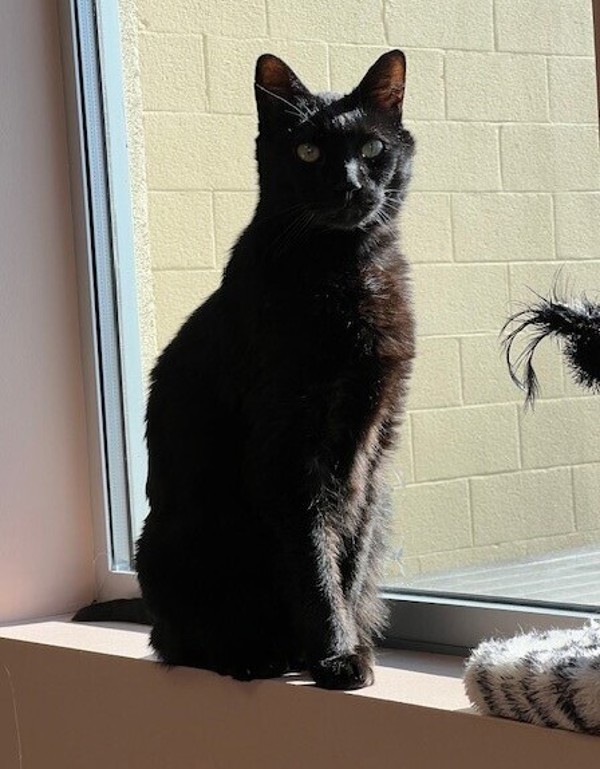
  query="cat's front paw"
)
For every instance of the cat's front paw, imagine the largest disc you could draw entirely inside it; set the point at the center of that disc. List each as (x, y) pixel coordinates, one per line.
(345, 671)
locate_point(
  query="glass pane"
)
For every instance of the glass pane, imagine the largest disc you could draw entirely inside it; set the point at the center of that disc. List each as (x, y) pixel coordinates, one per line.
(498, 500)
(488, 499)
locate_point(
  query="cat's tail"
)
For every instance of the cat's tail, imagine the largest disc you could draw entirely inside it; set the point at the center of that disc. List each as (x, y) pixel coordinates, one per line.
(120, 610)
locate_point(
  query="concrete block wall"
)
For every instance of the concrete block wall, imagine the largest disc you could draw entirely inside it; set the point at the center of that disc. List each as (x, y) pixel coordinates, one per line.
(501, 99)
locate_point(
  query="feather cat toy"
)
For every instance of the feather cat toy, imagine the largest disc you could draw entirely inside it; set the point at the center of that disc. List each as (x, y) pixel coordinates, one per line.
(576, 326)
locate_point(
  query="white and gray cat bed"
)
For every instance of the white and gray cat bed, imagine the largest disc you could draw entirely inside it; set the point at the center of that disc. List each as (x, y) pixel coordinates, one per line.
(548, 679)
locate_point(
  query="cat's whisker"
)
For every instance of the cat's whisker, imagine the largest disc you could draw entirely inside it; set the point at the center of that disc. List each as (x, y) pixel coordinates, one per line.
(282, 241)
(303, 226)
(393, 195)
(302, 112)
(393, 205)
(284, 237)
(385, 217)
(389, 210)
(279, 213)
(296, 109)
(306, 226)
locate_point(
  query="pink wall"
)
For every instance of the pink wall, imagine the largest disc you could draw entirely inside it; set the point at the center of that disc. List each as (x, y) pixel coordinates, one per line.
(45, 526)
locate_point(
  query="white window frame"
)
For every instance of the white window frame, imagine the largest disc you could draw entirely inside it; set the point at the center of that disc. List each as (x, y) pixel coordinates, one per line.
(104, 237)
(103, 226)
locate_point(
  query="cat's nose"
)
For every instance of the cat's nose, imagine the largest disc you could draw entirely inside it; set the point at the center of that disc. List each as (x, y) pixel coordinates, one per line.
(348, 188)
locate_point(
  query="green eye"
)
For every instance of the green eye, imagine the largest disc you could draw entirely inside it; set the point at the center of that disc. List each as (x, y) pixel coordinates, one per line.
(308, 152)
(372, 148)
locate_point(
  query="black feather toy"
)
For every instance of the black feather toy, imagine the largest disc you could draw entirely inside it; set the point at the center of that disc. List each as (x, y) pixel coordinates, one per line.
(574, 324)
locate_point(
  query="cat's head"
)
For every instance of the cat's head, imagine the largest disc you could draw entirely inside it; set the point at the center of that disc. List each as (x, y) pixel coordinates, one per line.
(345, 161)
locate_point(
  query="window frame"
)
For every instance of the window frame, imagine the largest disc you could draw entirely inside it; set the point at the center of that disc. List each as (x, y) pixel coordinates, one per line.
(103, 233)
(103, 229)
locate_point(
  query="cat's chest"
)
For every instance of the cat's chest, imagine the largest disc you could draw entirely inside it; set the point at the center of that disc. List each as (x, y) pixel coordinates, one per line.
(355, 312)
(330, 314)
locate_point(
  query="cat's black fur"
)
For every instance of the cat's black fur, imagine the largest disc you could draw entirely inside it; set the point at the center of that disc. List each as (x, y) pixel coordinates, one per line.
(271, 410)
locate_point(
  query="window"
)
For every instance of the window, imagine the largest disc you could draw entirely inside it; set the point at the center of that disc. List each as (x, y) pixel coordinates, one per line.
(496, 509)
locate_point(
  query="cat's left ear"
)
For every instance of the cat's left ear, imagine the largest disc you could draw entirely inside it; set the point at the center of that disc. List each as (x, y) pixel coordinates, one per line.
(276, 85)
(383, 85)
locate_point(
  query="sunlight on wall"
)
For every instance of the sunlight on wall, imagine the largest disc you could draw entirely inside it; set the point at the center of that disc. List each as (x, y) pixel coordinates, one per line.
(501, 99)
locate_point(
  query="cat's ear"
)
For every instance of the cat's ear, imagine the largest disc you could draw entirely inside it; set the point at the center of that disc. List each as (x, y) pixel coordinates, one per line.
(383, 85)
(276, 85)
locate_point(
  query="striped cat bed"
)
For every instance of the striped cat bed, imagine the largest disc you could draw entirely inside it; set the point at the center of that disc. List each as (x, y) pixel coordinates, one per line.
(549, 679)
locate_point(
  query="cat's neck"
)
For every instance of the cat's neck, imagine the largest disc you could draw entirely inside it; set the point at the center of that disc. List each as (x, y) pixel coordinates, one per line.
(283, 248)
(289, 229)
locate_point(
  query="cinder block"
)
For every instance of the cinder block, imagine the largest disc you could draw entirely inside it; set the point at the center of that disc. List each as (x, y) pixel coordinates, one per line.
(233, 213)
(563, 543)
(172, 72)
(426, 227)
(502, 227)
(572, 387)
(586, 485)
(181, 230)
(521, 506)
(496, 86)
(200, 152)
(357, 21)
(241, 19)
(485, 372)
(436, 377)
(460, 299)
(561, 433)
(398, 569)
(551, 158)
(459, 560)
(409, 568)
(571, 279)
(177, 294)
(400, 466)
(465, 441)
(424, 98)
(545, 26)
(430, 517)
(231, 65)
(459, 24)
(578, 227)
(456, 157)
(573, 96)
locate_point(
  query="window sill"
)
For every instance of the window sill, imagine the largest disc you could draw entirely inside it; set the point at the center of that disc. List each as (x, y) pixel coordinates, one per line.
(74, 695)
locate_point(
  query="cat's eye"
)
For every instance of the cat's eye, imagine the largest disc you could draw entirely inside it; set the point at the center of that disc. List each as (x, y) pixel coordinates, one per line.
(372, 148)
(308, 152)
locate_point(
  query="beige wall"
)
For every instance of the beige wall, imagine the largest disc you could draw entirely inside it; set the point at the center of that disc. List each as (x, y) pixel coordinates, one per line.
(46, 555)
(501, 98)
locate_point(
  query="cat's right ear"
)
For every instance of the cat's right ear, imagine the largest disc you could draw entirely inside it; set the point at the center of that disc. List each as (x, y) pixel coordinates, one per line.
(276, 87)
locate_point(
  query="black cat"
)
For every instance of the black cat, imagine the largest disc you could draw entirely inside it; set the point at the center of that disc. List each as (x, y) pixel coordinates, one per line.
(271, 411)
